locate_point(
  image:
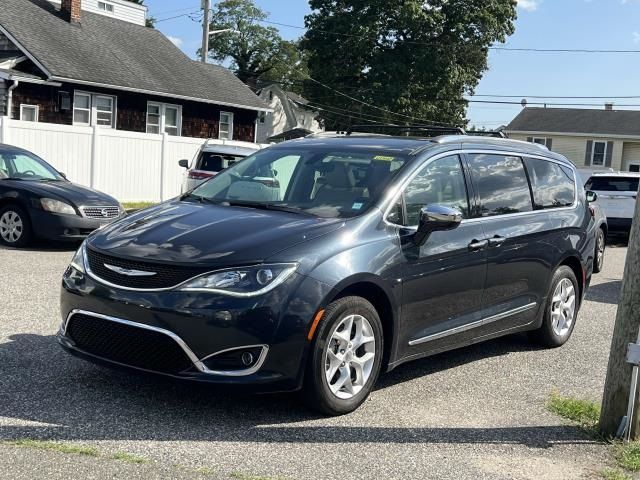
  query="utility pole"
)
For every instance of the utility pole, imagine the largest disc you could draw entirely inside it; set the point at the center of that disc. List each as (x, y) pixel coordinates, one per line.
(204, 51)
(627, 330)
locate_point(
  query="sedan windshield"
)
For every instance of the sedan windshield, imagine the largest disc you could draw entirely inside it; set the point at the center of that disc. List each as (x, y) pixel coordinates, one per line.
(325, 183)
(18, 165)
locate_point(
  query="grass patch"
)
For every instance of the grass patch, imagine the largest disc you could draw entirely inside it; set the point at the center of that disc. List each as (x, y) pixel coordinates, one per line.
(137, 205)
(614, 474)
(129, 458)
(584, 412)
(55, 446)
(628, 455)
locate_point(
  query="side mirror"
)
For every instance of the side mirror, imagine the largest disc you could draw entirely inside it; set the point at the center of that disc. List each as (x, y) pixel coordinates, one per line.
(63, 175)
(184, 163)
(434, 218)
(591, 196)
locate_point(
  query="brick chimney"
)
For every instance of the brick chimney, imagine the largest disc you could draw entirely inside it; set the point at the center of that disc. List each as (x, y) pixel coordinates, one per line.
(71, 10)
(608, 106)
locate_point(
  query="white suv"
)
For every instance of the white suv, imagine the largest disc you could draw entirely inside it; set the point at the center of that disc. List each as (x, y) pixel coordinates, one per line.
(617, 193)
(213, 157)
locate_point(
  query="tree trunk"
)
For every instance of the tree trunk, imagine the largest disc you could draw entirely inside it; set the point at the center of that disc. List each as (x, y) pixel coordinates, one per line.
(626, 330)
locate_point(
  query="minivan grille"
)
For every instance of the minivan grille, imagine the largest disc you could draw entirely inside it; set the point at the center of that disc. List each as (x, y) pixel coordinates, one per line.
(101, 212)
(165, 276)
(127, 344)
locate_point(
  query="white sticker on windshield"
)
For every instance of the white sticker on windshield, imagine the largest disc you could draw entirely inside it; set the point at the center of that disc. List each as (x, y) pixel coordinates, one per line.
(356, 206)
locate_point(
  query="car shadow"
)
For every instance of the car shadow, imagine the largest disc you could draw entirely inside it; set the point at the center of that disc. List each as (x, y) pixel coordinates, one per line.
(47, 394)
(608, 292)
(46, 246)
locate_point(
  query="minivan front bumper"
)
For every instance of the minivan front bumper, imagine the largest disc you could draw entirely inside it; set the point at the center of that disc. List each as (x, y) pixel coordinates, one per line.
(178, 333)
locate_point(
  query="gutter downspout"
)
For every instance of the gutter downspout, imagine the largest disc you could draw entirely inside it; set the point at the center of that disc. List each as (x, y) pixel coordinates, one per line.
(10, 97)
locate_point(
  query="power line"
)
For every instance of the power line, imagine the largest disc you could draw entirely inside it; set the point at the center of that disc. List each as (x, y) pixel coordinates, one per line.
(411, 42)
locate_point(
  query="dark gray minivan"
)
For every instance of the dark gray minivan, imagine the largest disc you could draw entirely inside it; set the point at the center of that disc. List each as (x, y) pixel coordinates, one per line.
(317, 263)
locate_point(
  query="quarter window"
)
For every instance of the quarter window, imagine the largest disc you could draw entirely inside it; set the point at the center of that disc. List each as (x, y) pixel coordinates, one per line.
(502, 184)
(93, 109)
(441, 182)
(553, 185)
(29, 113)
(226, 126)
(164, 118)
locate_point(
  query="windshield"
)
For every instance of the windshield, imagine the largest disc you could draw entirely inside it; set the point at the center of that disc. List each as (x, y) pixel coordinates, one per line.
(215, 162)
(326, 183)
(613, 184)
(16, 165)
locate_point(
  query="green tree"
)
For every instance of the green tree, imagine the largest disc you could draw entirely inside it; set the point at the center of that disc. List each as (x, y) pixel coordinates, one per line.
(416, 58)
(256, 52)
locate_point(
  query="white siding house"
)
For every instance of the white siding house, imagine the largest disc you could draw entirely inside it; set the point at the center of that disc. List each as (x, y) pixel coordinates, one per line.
(591, 139)
(290, 112)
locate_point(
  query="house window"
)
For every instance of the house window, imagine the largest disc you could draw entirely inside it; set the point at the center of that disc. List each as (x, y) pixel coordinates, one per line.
(599, 153)
(29, 113)
(105, 7)
(545, 141)
(226, 126)
(92, 109)
(163, 118)
(262, 117)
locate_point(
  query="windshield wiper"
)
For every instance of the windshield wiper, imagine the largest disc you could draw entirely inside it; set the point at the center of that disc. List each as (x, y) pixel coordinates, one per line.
(268, 206)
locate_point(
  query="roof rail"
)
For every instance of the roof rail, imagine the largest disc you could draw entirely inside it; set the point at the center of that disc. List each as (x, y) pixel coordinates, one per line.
(488, 133)
(421, 130)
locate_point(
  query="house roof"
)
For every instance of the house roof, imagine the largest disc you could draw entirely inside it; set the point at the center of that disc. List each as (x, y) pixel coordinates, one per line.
(104, 51)
(577, 120)
(296, 98)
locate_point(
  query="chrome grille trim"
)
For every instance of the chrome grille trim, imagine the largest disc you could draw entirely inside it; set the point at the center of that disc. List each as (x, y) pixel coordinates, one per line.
(181, 343)
(106, 212)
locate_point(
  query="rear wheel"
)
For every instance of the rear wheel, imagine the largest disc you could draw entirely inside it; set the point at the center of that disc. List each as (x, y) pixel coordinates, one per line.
(561, 309)
(598, 257)
(15, 226)
(346, 356)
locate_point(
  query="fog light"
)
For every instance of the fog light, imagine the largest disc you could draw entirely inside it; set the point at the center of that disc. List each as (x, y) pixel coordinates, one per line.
(247, 359)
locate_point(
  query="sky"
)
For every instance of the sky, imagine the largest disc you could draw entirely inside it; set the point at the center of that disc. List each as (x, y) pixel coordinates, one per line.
(541, 24)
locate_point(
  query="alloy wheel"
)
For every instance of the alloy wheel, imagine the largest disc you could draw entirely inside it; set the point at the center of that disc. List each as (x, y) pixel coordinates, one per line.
(350, 355)
(11, 226)
(563, 307)
(600, 250)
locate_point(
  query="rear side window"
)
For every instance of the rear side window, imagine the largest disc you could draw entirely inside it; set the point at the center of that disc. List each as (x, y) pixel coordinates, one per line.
(502, 184)
(612, 184)
(552, 185)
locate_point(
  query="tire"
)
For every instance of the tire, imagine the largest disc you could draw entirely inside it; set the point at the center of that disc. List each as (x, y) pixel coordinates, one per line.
(15, 227)
(558, 320)
(325, 394)
(598, 256)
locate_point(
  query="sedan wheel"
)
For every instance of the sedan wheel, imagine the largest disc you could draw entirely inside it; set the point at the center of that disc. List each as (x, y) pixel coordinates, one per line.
(563, 307)
(598, 262)
(15, 228)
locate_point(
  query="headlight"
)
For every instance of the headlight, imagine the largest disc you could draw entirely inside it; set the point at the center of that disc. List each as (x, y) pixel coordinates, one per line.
(77, 261)
(56, 206)
(242, 282)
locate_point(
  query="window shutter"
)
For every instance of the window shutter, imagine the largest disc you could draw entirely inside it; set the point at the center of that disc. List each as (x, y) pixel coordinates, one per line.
(549, 142)
(530, 139)
(587, 158)
(609, 156)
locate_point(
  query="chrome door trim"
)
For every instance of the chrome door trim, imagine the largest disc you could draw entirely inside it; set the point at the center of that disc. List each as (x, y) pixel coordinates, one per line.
(181, 343)
(472, 325)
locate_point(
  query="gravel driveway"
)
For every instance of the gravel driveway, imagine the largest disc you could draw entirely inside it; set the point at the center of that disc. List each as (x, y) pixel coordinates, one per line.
(475, 413)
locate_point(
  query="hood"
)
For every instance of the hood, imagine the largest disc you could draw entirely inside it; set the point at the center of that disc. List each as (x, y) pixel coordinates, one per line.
(69, 192)
(187, 233)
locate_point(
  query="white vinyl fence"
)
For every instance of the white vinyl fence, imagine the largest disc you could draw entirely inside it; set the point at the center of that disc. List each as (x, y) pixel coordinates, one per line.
(130, 166)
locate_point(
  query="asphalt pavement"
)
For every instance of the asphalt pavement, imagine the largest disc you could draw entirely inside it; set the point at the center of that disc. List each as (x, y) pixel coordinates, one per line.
(474, 413)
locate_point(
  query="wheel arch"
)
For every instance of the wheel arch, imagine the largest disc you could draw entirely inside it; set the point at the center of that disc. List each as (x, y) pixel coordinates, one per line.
(373, 289)
(573, 262)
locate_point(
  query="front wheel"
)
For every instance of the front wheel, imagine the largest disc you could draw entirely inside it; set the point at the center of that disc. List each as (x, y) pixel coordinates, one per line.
(345, 358)
(561, 309)
(15, 227)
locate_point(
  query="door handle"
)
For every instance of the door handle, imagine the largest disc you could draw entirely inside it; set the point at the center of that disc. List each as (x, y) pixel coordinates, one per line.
(476, 245)
(496, 241)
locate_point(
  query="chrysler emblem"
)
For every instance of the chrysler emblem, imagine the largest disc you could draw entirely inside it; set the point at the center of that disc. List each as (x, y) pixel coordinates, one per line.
(128, 272)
